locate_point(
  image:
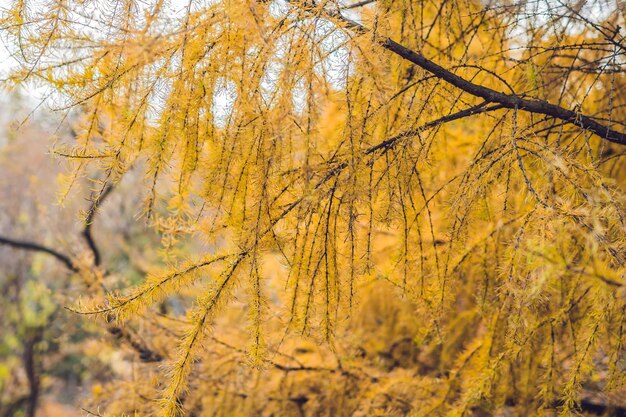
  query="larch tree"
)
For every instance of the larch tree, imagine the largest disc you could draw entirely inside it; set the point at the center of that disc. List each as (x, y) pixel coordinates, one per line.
(455, 164)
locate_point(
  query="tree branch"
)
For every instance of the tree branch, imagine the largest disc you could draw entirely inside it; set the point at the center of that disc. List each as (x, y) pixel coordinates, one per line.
(506, 100)
(145, 353)
(36, 247)
(87, 231)
(509, 101)
(388, 143)
(357, 4)
(30, 359)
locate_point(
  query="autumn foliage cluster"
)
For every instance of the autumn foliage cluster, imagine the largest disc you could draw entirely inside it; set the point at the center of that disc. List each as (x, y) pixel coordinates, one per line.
(388, 207)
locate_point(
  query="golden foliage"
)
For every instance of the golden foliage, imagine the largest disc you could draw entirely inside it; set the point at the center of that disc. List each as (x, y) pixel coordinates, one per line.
(315, 163)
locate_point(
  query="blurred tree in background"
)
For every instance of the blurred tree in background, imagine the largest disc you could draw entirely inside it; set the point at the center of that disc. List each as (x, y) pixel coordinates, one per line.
(372, 208)
(47, 355)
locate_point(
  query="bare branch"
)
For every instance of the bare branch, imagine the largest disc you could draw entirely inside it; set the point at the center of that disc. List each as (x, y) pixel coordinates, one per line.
(36, 247)
(87, 231)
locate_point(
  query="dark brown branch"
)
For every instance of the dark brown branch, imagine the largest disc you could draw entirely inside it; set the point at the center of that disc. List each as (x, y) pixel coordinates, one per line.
(145, 354)
(388, 143)
(36, 247)
(506, 100)
(509, 101)
(358, 4)
(87, 231)
(31, 364)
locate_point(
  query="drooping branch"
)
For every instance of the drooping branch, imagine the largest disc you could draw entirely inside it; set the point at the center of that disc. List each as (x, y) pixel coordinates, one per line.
(36, 247)
(509, 101)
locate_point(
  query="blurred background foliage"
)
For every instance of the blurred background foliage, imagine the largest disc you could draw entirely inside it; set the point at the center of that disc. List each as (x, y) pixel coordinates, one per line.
(50, 357)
